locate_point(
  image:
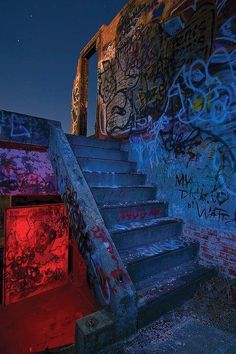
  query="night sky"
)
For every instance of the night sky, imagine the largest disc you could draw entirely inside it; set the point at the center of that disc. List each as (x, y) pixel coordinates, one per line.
(40, 43)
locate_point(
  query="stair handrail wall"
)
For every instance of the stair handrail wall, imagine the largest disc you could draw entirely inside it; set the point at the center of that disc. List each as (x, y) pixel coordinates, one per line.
(107, 275)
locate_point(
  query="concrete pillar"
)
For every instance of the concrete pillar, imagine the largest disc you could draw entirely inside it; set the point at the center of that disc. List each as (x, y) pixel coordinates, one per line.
(80, 98)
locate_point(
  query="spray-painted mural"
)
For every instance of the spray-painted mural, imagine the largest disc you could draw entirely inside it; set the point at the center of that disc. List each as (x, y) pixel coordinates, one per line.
(36, 253)
(189, 147)
(96, 275)
(133, 89)
(26, 172)
(191, 142)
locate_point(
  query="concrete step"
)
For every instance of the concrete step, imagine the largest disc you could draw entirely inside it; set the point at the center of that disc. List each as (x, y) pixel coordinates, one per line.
(104, 165)
(100, 179)
(140, 211)
(85, 141)
(112, 195)
(146, 261)
(101, 153)
(160, 294)
(142, 233)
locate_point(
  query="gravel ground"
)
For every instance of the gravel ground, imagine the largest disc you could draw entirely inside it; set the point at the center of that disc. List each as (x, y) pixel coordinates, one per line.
(212, 306)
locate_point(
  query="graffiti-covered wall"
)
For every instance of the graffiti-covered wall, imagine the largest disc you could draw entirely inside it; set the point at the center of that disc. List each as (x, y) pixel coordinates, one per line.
(188, 147)
(156, 50)
(25, 168)
(22, 128)
(26, 172)
(153, 41)
(167, 80)
(145, 52)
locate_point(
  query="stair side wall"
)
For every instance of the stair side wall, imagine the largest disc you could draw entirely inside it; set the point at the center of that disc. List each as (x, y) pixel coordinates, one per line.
(107, 275)
(24, 129)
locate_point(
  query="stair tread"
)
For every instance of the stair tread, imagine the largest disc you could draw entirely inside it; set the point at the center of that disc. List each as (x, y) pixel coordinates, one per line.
(145, 186)
(166, 282)
(161, 251)
(133, 204)
(154, 249)
(99, 152)
(85, 141)
(142, 224)
(116, 173)
(103, 159)
(97, 147)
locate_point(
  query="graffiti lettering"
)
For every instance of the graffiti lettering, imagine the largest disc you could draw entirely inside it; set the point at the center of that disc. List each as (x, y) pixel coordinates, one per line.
(134, 87)
(139, 213)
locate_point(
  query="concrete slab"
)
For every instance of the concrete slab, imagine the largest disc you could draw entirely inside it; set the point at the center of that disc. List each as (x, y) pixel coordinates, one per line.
(189, 336)
(197, 338)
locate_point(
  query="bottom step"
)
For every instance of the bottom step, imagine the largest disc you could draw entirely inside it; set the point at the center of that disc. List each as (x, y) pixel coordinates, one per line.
(160, 294)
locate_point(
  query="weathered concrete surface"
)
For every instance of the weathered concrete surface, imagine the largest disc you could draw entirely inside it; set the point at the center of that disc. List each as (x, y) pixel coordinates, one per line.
(204, 325)
(195, 337)
(191, 336)
(22, 128)
(155, 298)
(212, 308)
(106, 272)
(95, 331)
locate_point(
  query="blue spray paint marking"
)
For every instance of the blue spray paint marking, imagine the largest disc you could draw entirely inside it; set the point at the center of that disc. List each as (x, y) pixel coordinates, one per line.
(226, 30)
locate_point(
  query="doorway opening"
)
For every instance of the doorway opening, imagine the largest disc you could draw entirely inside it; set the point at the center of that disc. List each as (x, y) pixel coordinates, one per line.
(92, 92)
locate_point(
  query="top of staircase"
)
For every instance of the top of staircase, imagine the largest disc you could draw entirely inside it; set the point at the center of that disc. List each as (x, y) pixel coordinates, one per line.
(93, 142)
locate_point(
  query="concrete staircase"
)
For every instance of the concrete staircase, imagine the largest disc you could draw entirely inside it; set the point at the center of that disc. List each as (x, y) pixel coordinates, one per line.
(163, 268)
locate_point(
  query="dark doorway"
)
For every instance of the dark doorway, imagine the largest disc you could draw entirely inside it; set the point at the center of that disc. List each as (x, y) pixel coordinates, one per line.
(92, 93)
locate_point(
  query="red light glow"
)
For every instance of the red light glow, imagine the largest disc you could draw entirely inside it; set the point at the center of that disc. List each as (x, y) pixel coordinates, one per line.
(36, 252)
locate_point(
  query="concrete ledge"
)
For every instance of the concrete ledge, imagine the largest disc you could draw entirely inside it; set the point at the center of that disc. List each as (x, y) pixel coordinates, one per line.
(94, 332)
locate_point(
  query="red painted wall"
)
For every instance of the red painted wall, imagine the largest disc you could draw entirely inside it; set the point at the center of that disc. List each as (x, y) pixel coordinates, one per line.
(36, 251)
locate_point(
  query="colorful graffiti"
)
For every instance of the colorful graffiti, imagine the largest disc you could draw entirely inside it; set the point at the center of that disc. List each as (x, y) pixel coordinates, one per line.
(189, 149)
(96, 276)
(205, 105)
(106, 274)
(36, 253)
(208, 205)
(26, 172)
(75, 103)
(140, 213)
(133, 89)
(80, 98)
(167, 80)
(153, 249)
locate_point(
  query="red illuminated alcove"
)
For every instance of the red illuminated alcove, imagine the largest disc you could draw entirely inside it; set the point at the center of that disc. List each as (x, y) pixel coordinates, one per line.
(44, 296)
(36, 250)
(45, 282)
